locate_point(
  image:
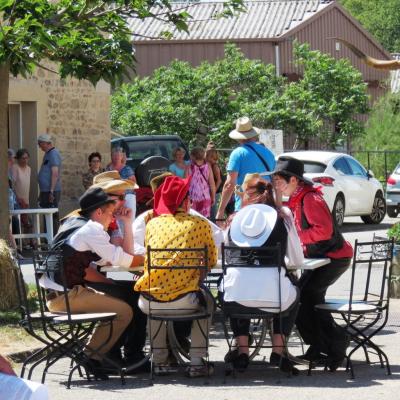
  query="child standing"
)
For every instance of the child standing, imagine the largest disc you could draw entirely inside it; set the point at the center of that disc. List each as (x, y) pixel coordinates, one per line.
(212, 160)
(202, 186)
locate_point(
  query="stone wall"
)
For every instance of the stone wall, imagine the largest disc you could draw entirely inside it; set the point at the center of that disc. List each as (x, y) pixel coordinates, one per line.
(76, 115)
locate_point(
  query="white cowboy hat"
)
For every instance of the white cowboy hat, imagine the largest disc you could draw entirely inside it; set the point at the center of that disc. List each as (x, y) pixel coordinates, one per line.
(252, 225)
(244, 129)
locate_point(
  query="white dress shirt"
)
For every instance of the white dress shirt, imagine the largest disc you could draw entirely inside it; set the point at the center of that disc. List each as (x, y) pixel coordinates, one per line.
(93, 237)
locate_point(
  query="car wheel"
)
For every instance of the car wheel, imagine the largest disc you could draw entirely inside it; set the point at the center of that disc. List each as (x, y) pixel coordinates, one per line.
(392, 212)
(338, 209)
(378, 211)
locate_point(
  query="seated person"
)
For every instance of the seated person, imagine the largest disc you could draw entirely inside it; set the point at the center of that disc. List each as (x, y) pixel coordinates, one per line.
(259, 224)
(320, 238)
(172, 290)
(85, 240)
(134, 337)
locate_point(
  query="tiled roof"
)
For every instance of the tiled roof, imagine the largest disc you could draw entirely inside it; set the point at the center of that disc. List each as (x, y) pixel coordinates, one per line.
(395, 76)
(263, 20)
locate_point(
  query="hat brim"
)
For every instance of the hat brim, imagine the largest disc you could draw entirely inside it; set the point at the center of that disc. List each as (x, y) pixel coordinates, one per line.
(244, 241)
(116, 185)
(283, 171)
(96, 206)
(237, 135)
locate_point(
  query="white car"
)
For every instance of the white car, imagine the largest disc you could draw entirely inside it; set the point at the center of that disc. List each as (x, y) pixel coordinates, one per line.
(347, 187)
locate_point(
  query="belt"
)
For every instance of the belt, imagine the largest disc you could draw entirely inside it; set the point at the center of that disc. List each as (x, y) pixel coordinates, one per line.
(52, 294)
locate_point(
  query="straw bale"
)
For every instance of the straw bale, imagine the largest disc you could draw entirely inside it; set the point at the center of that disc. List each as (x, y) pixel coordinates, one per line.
(8, 291)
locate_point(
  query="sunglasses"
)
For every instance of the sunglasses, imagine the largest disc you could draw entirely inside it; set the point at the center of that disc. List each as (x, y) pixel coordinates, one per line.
(121, 197)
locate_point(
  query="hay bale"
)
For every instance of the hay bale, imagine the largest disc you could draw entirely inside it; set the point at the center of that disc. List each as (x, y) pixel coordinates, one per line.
(8, 290)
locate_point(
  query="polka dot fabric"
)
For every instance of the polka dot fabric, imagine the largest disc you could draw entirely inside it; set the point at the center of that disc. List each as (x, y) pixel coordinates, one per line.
(175, 231)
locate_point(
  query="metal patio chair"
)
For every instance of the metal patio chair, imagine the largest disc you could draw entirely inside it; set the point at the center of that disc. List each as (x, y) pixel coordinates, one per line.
(365, 312)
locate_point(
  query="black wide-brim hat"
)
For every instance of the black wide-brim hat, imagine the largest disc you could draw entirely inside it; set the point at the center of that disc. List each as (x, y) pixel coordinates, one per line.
(94, 198)
(291, 166)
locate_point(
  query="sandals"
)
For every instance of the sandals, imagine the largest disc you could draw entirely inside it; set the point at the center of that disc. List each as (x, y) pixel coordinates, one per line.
(197, 371)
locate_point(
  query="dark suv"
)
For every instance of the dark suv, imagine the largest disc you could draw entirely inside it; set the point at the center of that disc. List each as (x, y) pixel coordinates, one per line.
(138, 148)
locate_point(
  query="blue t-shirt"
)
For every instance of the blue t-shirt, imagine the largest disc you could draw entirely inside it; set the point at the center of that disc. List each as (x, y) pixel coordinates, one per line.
(244, 160)
(52, 158)
(178, 171)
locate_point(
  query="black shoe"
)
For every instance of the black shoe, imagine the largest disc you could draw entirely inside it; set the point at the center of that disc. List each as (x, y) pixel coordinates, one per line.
(284, 363)
(95, 367)
(314, 355)
(241, 362)
(143, 367)
(231, 355)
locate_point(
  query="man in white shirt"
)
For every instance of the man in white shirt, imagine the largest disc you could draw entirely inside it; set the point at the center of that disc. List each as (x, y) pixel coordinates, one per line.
(85, 244)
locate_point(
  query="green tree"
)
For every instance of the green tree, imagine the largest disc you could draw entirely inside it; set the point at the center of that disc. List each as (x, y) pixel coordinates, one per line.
(86, 39)
(380, 17)
(200, 103)
(382, 133)
(325, 102)
(197, 103)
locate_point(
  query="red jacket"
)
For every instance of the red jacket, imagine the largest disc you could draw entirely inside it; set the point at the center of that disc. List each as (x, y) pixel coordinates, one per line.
(319, 218)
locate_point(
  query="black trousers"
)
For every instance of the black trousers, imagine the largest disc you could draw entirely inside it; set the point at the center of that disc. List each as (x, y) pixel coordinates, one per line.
(134, 337)
(281, 324)
(317, 328)
(45, 203)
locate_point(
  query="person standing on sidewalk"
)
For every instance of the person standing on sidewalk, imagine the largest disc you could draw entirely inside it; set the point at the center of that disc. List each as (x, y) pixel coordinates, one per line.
(249, 157)
(49, 176)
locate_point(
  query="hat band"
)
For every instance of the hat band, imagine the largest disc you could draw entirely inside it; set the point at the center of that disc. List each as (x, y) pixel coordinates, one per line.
(97, 205)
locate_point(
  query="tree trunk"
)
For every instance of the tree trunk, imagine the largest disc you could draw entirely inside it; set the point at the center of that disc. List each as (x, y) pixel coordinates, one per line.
(4, 213)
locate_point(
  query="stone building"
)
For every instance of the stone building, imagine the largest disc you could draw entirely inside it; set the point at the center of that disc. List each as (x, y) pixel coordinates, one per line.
(73, 112)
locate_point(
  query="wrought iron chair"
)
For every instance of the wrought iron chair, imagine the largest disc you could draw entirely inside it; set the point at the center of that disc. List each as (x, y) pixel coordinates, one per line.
(365, 312)
(260, 320)
(68, 331)
(176, 260)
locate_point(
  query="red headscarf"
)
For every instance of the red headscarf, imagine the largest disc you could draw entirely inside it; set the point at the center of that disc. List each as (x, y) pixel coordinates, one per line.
(170, 195)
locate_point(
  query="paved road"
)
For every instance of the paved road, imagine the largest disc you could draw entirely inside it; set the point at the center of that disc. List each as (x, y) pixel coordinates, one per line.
(258, 382)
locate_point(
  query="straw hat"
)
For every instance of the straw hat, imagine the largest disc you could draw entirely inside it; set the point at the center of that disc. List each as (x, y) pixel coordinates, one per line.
(244, 129)
(111, 181)
(252, 225)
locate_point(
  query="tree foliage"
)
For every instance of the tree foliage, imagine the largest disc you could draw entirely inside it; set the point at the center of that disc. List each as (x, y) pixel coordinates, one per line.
(89, 39)
(201, 103)
(380, 17)
(382, 134)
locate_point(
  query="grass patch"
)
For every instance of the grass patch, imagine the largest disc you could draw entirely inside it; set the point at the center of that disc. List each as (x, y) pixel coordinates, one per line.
(13, 337)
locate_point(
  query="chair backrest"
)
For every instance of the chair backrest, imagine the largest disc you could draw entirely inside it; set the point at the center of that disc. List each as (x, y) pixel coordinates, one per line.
(267, 266)
(371, 272)
(27, 308)
(176, 261)
(50, 263)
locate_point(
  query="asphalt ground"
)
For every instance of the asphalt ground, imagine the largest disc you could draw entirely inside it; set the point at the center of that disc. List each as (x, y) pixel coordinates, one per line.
(259, 381)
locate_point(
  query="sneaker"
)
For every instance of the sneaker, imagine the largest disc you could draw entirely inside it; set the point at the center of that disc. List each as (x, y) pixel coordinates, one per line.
(197, 371)
(163, 369)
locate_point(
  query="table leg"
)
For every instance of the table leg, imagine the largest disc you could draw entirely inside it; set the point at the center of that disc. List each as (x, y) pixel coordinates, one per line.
(36, 227)
(49, 228)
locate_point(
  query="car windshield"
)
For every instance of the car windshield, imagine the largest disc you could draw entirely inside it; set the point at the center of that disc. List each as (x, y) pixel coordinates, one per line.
(397, 170)
(139, 150)
(313, 167)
